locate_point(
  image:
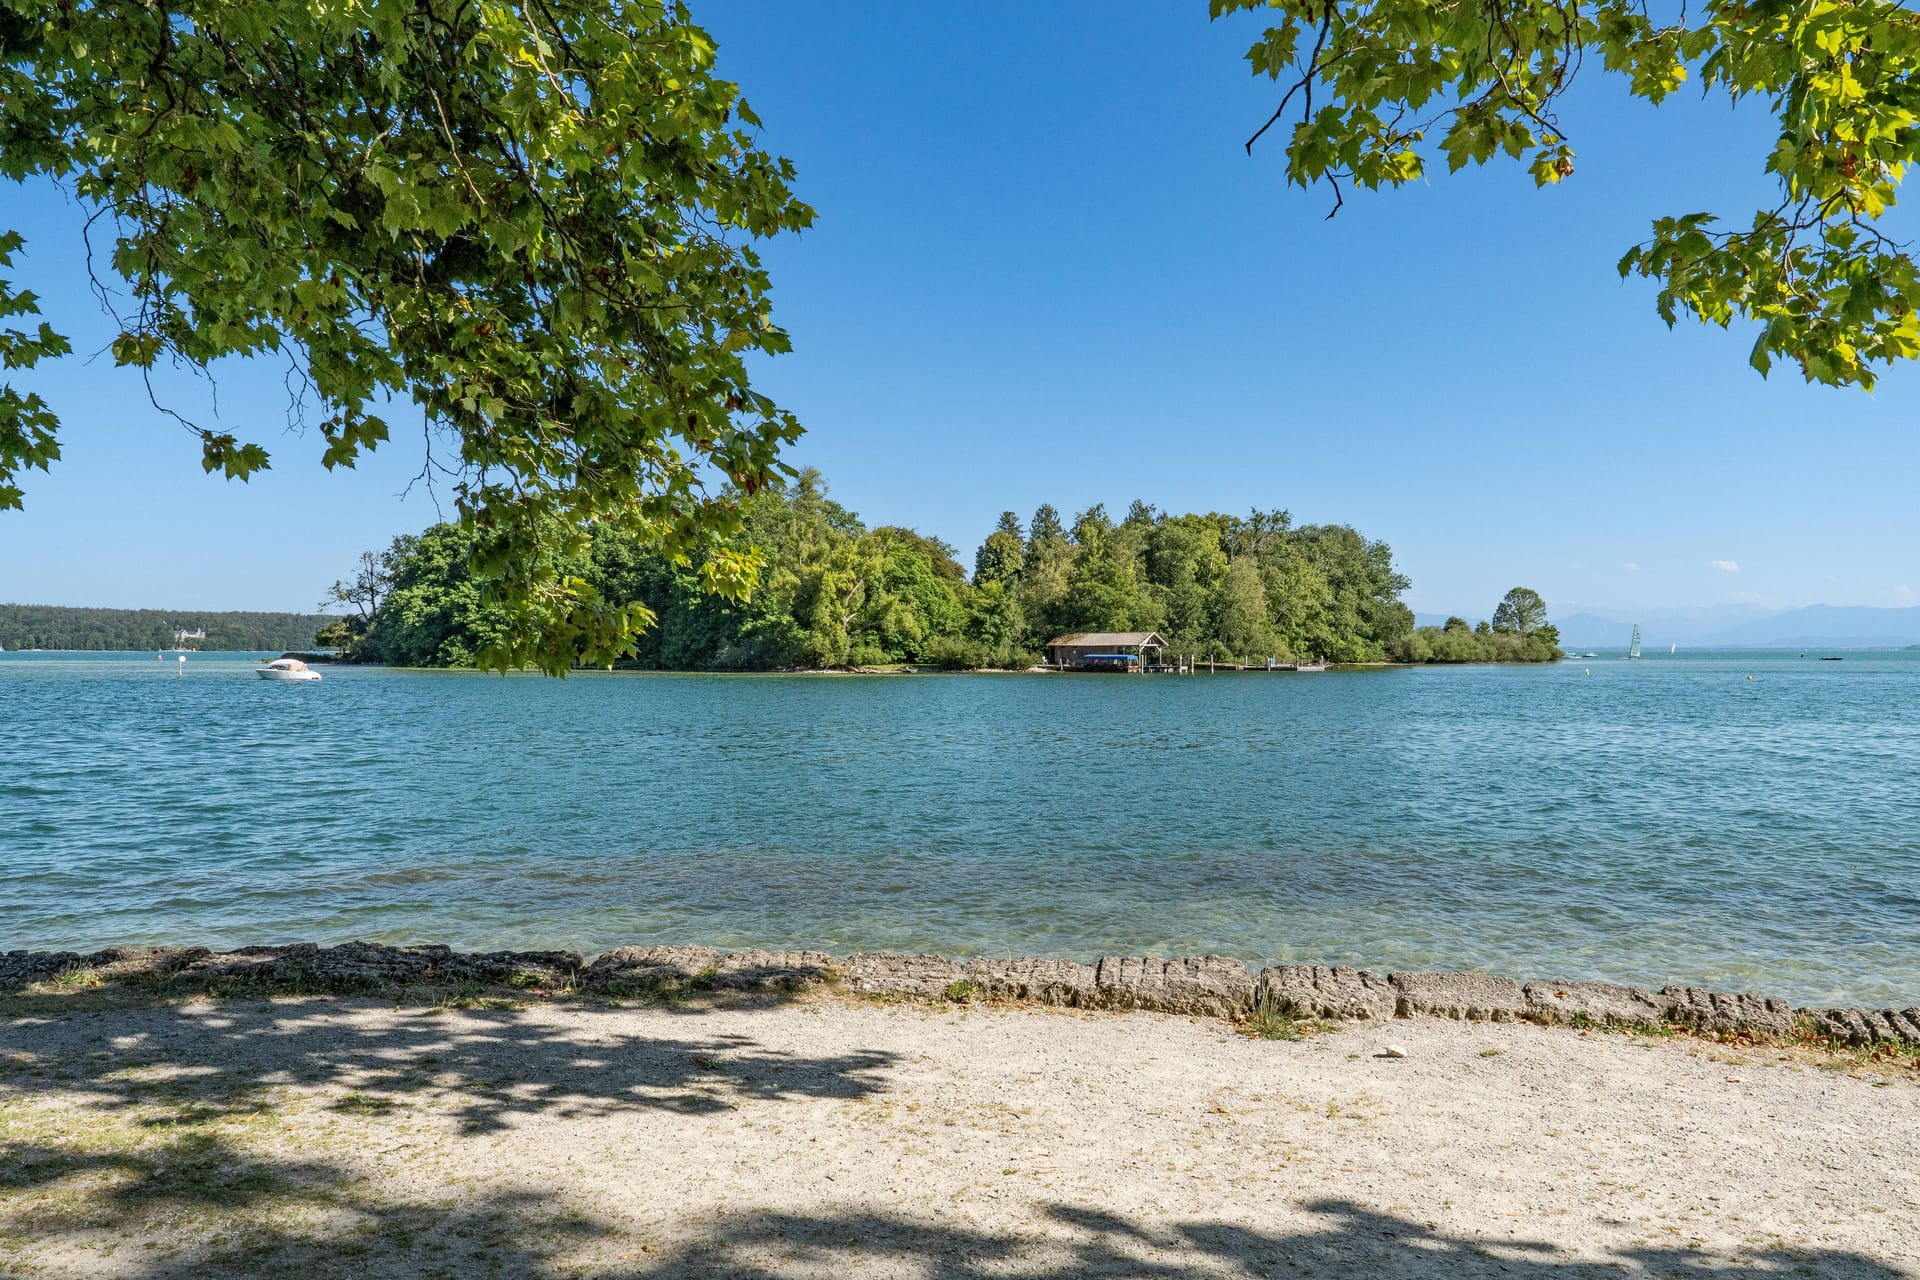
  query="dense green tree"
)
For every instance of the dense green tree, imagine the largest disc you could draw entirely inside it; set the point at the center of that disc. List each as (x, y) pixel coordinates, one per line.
(1258, 533)
(1092, 527)
(996, 622)
(1521, 612)
(834, 593)
(435, 615)
(819, 580)
(361, 595)
(1244, 626)
(1106, 593)
(340, 635)
(1519, 632)
(1379, 88)
(1106, 588)
(915, 596)
(1184, 565)
(1300, 599)
(1044, 527)
(1352, 617)
(35, 626)
(533, 222)
(1043, 578)
(1003, 554)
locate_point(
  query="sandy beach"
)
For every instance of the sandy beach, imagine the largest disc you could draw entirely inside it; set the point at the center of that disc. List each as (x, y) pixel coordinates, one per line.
(830, 1137)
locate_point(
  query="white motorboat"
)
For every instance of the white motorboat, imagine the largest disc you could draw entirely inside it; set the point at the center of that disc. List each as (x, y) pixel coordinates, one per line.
(288, 669)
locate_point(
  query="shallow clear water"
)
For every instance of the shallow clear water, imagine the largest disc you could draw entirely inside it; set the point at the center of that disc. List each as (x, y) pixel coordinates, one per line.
(1667, 820)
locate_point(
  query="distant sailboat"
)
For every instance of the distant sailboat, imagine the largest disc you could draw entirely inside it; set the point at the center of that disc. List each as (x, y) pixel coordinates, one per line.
(1673, 648)
(1633, 650)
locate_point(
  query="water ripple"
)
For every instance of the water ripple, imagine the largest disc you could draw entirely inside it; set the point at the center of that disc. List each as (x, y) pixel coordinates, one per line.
(1668, 820)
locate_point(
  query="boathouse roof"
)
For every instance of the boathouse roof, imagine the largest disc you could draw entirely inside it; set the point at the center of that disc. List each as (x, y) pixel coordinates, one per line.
(1108, 640)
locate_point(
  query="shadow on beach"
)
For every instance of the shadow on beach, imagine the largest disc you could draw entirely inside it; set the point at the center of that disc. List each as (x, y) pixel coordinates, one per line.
(320, 1226)
(1081, 1242)
(482, 1066)
(172, 1156)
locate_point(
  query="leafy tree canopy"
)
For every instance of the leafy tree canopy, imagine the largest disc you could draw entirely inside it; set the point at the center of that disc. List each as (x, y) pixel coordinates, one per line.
(1519, 632)
(1379, 88)
(531, 221)
(1521, 612)
(835, 593)
(1044, 527)
(1002, 555)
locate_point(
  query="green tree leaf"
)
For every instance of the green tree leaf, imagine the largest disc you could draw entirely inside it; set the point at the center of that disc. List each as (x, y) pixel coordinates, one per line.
(535, 223)
(1828, 285)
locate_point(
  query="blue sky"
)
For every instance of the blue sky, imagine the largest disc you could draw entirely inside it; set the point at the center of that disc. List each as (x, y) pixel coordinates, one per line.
(1045, 271)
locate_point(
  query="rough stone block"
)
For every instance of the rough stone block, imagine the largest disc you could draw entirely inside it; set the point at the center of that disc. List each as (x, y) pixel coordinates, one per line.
(1866, 1026)
(367, 963)
(1600, 1001)
(505, 966)
(773, 970)
(1057, 982)
(249, 962)
(21, 969)
(652, 966)
(880, 973)
(1844, 1025)
(1215, 986)
(1477, 996)
(1705, 1010)
(127, 962)
(1327, 991)
(1880, 1026)
(261, 962)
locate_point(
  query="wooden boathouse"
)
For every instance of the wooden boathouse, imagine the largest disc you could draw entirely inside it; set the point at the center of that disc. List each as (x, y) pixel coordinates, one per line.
(1105, 650)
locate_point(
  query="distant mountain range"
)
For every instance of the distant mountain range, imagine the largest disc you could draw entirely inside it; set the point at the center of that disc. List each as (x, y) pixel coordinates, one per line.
(1834, 626)
(1739, 627)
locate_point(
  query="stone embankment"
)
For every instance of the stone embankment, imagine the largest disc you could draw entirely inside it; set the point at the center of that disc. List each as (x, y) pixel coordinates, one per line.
(1210, 986)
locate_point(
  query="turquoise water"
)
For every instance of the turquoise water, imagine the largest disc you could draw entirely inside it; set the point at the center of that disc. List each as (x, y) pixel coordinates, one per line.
(1667, 820)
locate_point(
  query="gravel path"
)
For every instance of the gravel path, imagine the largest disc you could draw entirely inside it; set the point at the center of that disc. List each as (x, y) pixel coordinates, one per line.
(832, 1138)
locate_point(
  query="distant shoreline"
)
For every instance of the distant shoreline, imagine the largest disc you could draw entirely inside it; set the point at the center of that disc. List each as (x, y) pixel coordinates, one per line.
(1570, 659)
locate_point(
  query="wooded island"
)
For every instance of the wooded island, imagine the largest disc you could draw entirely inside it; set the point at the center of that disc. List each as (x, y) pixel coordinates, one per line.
(835, 593)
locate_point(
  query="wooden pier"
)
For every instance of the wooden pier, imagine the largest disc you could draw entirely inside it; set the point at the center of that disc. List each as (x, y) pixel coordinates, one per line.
(1189, 664)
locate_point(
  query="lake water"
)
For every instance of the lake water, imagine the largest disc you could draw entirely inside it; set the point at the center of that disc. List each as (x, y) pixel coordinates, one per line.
(1666, 820)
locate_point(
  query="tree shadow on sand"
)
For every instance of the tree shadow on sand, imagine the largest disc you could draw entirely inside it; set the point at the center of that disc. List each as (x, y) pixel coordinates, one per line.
(165, 1155)
(315, 1225)
(484, 1067)
(1069, 1242)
